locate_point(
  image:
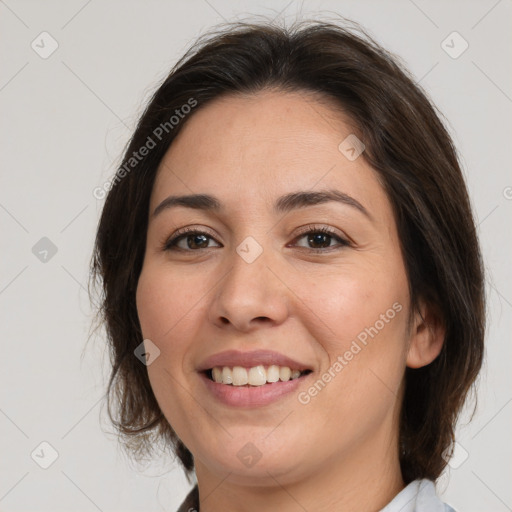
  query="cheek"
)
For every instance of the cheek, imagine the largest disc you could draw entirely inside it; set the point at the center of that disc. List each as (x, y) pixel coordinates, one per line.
(170, 312)
(168, 304)
(355, 304)
(359, 320)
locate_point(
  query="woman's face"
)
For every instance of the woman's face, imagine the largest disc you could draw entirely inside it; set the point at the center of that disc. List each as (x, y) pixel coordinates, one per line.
(252, 289)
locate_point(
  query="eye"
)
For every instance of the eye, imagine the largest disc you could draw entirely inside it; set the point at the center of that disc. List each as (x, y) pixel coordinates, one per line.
(316, 239)
(189, 240)
(320, 239)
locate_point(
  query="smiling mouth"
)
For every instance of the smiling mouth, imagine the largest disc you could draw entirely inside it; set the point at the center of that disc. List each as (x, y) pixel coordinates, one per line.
(255, 376)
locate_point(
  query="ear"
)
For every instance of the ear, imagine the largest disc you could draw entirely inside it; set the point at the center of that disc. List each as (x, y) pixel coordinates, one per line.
(427, 336)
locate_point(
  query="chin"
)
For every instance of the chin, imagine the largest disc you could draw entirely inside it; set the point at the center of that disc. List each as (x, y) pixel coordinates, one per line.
(256, 462)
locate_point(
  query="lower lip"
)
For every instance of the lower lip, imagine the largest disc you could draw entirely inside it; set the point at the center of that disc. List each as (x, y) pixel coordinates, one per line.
(251, 396)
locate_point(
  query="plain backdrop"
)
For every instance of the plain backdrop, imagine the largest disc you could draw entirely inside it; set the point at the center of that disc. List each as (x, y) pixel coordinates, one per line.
(65, 117)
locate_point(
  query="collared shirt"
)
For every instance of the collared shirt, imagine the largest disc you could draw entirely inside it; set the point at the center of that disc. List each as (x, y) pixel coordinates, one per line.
(418, 496)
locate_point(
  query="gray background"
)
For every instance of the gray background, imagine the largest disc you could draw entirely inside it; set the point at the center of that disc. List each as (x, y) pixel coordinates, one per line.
(64, 122)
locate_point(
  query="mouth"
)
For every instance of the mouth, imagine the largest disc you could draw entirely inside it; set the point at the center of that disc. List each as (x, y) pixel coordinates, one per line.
(252, 379)
(255, 376)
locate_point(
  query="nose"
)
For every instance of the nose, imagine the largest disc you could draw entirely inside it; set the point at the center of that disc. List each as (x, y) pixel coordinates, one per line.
(250, 296)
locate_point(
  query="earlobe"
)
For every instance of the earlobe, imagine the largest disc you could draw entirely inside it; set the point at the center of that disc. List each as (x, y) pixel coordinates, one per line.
(427, 337)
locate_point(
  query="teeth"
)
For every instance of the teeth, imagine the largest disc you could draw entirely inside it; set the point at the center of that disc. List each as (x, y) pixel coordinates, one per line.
(284, 373)
(240, 377)
(255, 376)
(273, 373)
(295, 374)
(227, 375)
(217, 374)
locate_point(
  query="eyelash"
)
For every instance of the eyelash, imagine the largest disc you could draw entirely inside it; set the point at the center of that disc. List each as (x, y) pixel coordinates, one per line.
(170, 244)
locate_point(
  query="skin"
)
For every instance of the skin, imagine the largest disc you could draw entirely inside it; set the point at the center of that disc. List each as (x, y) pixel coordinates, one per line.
(339, 451)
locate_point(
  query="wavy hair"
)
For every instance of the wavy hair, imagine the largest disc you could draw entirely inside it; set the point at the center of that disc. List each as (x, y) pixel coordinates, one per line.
(406, 144)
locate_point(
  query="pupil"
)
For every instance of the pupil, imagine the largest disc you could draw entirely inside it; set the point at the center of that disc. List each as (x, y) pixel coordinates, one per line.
(198, 241)
(319, 238)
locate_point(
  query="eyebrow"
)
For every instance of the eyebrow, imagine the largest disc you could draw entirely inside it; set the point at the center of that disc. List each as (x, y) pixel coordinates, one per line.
(284, 204)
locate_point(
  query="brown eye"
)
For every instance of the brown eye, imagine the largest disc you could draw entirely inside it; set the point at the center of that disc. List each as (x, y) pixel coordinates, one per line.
(190, 241)
(319, 240)
(196, 241)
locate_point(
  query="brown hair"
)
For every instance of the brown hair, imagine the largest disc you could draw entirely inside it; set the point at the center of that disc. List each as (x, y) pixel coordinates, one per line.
(407, 145)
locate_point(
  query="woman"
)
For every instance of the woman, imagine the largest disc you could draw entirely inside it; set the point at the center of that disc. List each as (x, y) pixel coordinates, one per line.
(293, 288)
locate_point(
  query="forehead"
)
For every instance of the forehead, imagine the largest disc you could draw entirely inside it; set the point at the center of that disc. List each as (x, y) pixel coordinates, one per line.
(250, 149)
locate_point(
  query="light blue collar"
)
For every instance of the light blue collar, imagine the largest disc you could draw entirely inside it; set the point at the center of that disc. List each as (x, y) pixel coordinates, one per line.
(418, 496)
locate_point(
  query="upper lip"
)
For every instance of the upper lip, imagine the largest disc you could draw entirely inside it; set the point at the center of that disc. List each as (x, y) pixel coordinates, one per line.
(250, 359)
